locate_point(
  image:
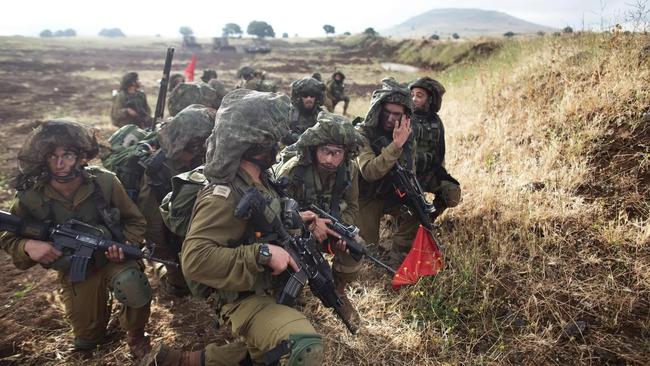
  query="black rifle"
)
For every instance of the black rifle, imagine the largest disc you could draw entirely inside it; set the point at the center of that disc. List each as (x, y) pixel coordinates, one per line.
(409, 192)
(313, 268)
(162, 91)
(348, 233)
(67, 238)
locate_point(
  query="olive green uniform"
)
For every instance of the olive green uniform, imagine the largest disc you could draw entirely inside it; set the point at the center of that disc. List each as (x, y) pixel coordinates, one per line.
(136, 101)
(87, 304)
(336, 93)
(219, 252)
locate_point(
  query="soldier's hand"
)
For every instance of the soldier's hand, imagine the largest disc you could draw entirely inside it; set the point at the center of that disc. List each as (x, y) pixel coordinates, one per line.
(131, 112)
(41, 251)
(321, 231)
(402, 131)
(281, 260)
(308, 216)
(115, 254)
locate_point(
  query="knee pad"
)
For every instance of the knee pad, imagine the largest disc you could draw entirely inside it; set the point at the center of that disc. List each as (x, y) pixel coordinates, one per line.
(452, 196)
(131, 287)
(306, 350)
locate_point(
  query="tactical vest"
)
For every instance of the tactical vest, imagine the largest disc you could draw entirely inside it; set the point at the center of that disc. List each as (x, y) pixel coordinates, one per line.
(429, 134)
(309, 190)
(300, 122)
(176, 207)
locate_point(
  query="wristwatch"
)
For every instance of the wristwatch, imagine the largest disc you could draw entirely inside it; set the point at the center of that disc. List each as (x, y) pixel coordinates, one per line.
(264, 255)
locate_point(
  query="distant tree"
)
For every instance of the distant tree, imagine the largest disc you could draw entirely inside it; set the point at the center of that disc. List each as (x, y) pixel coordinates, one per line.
(567, 29)
(509, 34)
(347, 34)
(435, 37)
(371, 32)
(46, 33)
(541, 33)
(328, 29)
(112, 32)
(231, 29)
(69, 33)
(185, 31)
(260, 29)
(455, 36)
(285, 35)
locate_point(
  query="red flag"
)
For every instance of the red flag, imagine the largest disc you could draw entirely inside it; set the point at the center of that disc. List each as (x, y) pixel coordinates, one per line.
(189, 70)
(424, 259)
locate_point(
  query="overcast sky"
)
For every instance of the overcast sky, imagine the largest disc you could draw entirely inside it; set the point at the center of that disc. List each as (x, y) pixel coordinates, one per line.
(305, 18)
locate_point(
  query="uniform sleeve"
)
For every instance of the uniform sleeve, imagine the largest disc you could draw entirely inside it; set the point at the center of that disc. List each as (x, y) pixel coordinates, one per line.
(349, 215)
(15, 245)
(205, 257)
(119, 115)
(373, 167)
(132, 220)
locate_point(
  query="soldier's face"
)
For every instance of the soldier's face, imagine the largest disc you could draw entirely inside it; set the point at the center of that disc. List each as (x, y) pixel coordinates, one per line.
(330, 157)
(61, 162)
(308, 102)
(420, 99)
(391, 113)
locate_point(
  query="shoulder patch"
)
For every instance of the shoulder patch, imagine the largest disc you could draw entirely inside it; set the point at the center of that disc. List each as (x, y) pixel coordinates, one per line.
(222, 191)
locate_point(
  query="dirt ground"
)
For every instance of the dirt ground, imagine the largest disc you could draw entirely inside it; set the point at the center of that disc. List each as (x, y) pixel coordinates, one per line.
(41, 80)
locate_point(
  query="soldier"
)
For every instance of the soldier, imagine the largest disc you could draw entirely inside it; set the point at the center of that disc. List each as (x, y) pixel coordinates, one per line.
(429, 132)
(221, 251)
(254, 80)
(336, 92)
(208, 74)
(182, 148)
(323, 173)
(388, 139)
(174, 80)
(130, 103)
(54, 185)
(201, 93)
(307, 98)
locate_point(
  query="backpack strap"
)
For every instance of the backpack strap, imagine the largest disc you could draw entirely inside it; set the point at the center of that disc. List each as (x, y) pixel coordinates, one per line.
(101, 195)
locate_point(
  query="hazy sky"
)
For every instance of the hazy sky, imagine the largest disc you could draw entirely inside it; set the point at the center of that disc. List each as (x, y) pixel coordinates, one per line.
(306, 18)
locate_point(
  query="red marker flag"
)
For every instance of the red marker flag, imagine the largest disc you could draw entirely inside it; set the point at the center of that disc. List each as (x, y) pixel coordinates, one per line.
(424, 259)
(189, 70)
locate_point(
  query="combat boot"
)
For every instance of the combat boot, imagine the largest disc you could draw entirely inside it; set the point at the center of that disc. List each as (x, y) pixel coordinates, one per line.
(162, 355)
(139, 345)
(341, 280)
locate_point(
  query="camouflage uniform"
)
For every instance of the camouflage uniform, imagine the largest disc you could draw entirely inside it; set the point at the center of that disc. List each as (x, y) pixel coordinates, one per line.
(186, 132)
(336, 92)
(186, 94)
(378, 156)
(429, 133)
(87, 304)
(220, 250)
(136, 101)
(302, 118)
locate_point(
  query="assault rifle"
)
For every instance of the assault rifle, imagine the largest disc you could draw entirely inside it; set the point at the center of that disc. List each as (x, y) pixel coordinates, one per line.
(348, 233)
(314, 269)
(72, 237)
(409, 192)
(162, 91)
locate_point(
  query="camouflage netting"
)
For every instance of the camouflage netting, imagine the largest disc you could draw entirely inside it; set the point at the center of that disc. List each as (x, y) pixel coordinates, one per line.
(246, 119)
(189, 128)
(208, 74)
(391, 92)
(245, 71)
(128, 79)
(192, 93)
(307, 87)
(47, 137)
(435, 89)
(338, 73)
(330, 129)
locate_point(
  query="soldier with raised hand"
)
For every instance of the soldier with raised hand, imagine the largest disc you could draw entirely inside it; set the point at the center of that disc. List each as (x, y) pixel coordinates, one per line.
(182, 148)
(227, 254)
(429, 132)
(307, 96)
(388, 139)
(324, 173)
(336, 91)
(55, 185)
(130, 103)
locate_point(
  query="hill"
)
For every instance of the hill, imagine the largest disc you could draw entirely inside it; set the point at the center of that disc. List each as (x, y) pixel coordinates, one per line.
(465, 22)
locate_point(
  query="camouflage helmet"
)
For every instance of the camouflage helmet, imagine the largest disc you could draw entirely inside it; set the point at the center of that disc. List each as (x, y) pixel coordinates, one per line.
(187, 130)
(128, 79)
(330, 129)
(43, 140)
(338, 73)
(192, 93)
(208, 74)
(391, 92)
(245, 71)
(317, 76)
(433, 87)
(307, 87)
(175, 79)
(247, 120)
